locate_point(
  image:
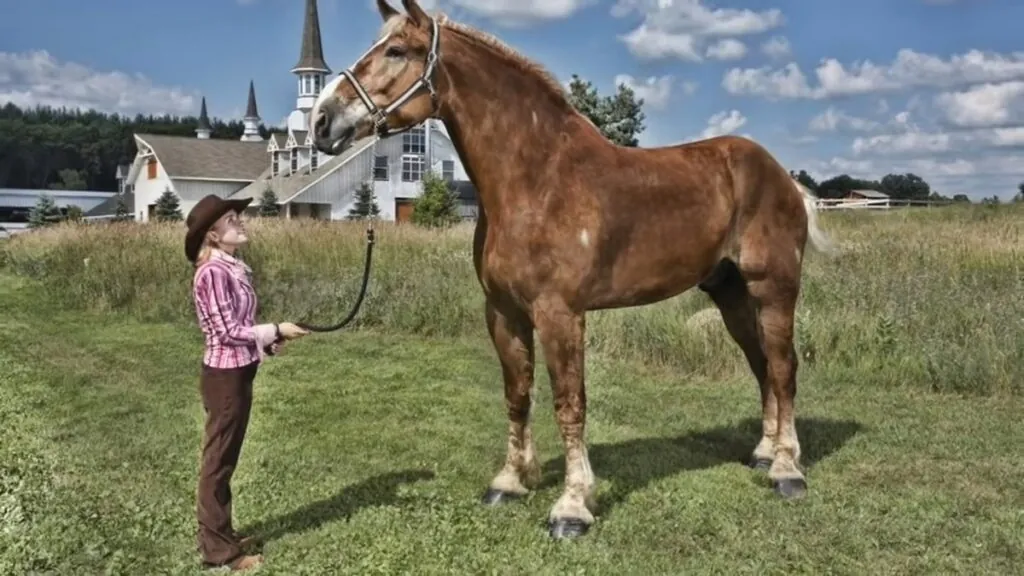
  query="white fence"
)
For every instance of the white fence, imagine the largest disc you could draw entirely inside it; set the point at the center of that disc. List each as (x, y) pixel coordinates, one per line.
(875, 203)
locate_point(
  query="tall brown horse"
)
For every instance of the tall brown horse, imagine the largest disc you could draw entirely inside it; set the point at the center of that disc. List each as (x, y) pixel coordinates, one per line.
(570, 222)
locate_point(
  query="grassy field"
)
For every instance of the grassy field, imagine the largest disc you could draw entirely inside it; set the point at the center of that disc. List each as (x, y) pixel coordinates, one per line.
(368, 450)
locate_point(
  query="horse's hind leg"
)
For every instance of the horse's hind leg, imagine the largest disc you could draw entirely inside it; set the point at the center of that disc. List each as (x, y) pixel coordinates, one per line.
(512, 335)
(728, 290)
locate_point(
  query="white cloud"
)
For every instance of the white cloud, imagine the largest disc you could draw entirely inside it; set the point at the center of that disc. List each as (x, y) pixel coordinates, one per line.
(509, 12)
(984, 105)
(787, 82)
(919, 142)
(776, 47)
(36, 78)
(832, 120)
(727, 49)
(724, 122)
(681, 28)
(655, 91)
(909, 69)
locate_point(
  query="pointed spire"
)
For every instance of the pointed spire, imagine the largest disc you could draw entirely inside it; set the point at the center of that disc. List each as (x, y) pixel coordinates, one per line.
(250, 108)
(311, 55)
(251, 120)
(204, 118)
(203, 129)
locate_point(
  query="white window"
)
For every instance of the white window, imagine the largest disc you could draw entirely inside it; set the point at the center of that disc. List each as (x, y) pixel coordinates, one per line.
(275, 166)
(314, 160)
(448, 170)
(414, 141)
(380, 168)
(412, 168)
(295, 160)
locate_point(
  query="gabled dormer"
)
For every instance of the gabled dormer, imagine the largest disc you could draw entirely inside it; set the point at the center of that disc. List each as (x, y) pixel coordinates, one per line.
(298, 139)
(274, 148)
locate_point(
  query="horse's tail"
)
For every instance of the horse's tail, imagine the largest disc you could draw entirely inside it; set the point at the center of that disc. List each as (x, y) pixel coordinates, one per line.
(820, 240)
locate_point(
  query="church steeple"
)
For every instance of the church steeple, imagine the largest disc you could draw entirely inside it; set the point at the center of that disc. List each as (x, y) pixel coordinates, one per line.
(311, 55)
(203, 130)
(311, 68)
(251, 121)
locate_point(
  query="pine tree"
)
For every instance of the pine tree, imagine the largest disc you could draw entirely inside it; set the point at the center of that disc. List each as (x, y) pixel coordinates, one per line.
(365, 203)
(167, 207)
(121, 212)
(437, 206)
(625, 117)
(44, 213)
(268, 204)
(620, 117)
(74, 214)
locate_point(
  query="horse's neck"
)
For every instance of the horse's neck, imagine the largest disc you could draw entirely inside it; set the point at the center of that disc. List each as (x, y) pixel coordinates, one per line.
(500, 115)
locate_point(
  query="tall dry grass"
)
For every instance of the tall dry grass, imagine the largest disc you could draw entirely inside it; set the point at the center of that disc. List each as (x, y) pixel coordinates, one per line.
(925, 298)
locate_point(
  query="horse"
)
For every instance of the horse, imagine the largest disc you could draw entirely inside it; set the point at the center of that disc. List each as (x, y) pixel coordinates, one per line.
(570, 222)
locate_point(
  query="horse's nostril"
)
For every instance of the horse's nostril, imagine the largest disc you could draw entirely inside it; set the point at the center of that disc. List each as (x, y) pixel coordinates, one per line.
(320, 128)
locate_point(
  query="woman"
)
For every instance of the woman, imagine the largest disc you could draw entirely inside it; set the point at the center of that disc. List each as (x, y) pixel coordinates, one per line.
(226, 308)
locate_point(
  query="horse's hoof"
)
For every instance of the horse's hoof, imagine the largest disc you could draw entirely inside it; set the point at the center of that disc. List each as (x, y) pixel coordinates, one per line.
(760, 463)
(494, 497)
(791, 488)
(567, 528)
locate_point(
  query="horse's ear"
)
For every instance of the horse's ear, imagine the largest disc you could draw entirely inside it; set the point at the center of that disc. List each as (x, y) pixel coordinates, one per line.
(418, 16)
(386, 11)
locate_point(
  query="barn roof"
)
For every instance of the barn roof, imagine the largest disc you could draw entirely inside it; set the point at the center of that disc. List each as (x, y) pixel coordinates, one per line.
(220, 159)
(870, 193)
(286, 185)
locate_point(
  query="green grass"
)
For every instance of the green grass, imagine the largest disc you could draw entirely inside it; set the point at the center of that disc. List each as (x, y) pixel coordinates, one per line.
(368, 451)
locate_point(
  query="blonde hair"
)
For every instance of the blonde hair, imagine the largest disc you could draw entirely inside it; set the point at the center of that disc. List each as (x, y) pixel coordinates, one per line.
(205, 251)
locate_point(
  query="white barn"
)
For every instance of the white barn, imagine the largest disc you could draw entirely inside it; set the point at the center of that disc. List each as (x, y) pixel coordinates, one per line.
(307, 183)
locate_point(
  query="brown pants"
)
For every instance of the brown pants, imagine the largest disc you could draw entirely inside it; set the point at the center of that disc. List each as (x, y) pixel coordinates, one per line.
(227, 399)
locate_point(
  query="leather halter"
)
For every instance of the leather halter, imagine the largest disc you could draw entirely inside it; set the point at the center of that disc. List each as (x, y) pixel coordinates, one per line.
(380, 115)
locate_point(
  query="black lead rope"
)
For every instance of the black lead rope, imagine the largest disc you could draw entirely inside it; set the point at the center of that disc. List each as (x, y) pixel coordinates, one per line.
(359, 299)
(355, 307)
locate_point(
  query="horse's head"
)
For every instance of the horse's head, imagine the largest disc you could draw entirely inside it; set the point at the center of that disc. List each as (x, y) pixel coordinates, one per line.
(389, 89)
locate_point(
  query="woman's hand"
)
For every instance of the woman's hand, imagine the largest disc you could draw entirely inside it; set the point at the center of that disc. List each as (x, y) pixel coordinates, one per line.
(290, 331)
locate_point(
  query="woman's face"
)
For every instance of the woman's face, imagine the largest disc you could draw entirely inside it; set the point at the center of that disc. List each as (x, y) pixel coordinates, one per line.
(229, 231)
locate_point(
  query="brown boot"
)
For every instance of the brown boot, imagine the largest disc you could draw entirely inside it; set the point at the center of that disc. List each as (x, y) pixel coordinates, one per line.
(245, 562)
(245, 542)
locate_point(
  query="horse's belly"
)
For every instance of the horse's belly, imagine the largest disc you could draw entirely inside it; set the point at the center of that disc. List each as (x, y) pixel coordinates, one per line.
(658, 271)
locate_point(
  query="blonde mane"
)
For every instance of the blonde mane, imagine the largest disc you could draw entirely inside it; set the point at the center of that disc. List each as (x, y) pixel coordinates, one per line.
(515, 57)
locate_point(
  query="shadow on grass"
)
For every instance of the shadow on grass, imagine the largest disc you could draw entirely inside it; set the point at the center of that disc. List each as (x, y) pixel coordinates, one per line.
(379, 490)
(633, 464)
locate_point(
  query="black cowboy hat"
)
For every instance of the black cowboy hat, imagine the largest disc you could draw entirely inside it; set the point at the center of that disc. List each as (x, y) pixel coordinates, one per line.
(203, 215)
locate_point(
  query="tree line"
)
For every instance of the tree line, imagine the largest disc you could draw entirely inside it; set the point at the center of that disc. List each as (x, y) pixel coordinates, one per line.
(71, 149)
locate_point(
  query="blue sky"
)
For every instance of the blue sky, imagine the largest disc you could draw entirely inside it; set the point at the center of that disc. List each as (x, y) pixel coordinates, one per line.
(865, 88)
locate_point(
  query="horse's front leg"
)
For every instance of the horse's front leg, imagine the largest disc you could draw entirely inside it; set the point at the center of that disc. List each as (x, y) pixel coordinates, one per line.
(512, 335)
(561, 332)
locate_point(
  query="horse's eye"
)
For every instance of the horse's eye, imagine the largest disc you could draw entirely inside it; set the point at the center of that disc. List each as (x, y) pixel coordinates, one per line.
(395, 52)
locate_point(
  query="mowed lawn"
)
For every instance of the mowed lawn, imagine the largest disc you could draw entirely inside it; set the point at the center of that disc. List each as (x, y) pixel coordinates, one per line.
(368, 454)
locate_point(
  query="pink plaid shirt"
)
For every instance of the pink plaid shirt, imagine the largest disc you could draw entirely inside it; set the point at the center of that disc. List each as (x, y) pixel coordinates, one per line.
(226, 308)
